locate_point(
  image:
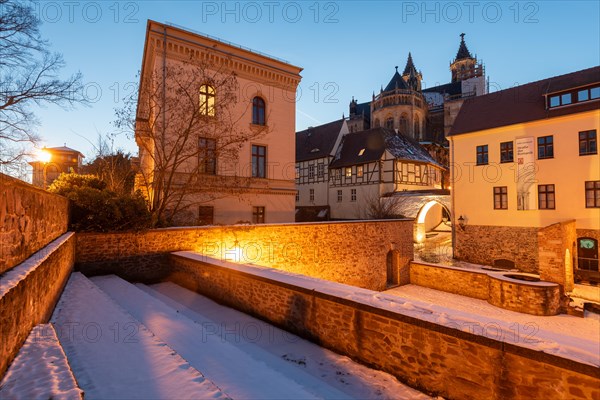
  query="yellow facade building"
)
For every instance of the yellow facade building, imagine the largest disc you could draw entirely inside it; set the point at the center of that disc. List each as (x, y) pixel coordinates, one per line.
(526, 177)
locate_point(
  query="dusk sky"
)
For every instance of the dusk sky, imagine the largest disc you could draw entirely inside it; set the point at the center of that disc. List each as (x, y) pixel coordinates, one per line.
(346, 48)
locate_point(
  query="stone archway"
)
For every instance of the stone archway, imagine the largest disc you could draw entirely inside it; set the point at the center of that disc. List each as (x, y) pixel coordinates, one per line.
(430, 216)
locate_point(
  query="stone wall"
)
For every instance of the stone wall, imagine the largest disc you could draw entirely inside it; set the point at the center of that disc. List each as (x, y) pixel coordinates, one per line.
(555, 253)
(434, 358)
(482, 244)
(30, 218)
(449, 279)
(354, 253)
(542, 298)
(29, 292)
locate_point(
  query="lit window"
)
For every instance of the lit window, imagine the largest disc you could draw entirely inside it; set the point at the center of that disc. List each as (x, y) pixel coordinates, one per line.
(348, 172)
(359, 171)
(506, 152)
(258, 111)
(592, 194)
(588, 143)
(207, 100)
(500, 198)
(545, 147)
(258, 215)
(361, 152)
(353, 195)
(259, 161)
(546, 197)
(482, 155)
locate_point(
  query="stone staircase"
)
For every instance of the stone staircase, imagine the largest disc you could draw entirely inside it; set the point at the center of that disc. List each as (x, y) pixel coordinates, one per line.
(109, 338)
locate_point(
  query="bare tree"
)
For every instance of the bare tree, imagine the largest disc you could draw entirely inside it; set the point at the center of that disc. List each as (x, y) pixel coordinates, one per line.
(385, 207)
(28, 76)
(189, 141)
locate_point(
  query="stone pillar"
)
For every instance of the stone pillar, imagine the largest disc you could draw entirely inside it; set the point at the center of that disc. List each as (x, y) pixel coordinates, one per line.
(555, 245)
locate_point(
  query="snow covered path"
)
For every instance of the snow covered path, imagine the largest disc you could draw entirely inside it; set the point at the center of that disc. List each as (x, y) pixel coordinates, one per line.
(305, 362)
(114, 356)
(237, 372)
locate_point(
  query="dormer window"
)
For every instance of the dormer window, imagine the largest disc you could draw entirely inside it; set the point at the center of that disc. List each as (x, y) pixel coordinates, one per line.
(361, 152)
(574, 97)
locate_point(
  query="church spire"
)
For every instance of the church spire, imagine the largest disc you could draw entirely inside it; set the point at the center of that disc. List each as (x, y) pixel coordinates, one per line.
(410, 66)
(463, 52)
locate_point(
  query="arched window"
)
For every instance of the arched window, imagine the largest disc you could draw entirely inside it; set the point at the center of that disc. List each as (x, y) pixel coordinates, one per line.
(389, 123)
(417, 131)
(403, 124)
(207, 100)
(258, 111)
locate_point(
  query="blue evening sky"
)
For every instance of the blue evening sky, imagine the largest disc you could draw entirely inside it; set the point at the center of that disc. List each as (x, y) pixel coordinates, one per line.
(347, 48)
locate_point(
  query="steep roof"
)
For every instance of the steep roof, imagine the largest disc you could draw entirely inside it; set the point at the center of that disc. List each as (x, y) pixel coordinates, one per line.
(523, 103)
(463, 52)
(410, 66)
(374, 142)
(396, 82)
(317, 142)
(451, 89)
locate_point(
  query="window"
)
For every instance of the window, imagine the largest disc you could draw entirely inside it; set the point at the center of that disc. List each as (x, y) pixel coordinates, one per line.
(595, 93)
(297, 196)
(482, 155)
(312, 195)
(506, 152)
(592, 194)
(389, 123)
(259, 161)
(359, 171)
(297, 172)
(258, 215)
(258, 111)
(588, 143)
(546, 197)
(545, 147)
(207, 158)
(311, 172)
(574, 97)
(339, 196)
(338, 174)
(207, 100)
(320, 170)
(353, 195)
(348, 172)
(205, 215)
(500, 198)
(583, 95)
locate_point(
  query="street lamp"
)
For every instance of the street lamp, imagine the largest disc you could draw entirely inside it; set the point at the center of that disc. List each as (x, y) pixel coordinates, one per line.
(44, 156)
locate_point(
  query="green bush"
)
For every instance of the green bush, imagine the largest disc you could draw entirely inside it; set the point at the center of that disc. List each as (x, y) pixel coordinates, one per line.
(94, 208)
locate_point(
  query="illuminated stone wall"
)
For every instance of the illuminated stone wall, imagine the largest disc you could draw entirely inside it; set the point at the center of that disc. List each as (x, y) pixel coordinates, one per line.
(353, 253)
(30, 218)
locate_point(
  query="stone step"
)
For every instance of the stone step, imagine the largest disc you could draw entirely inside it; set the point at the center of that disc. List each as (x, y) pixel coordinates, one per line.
(40, 370)
(233, 369)
(113, 355)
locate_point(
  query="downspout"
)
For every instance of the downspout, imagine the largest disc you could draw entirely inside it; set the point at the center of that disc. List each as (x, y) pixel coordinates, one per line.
(452, 189)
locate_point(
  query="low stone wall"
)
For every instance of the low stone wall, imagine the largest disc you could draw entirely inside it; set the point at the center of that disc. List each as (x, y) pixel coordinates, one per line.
(29, 292)
(30, 218)
(543, 298)
(531, 298)
(452, 280)
(434, 358)
(482, 244)
(354, 253)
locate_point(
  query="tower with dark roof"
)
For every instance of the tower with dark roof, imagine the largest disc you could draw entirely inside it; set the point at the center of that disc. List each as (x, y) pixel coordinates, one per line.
(411, 76)
(465, 65)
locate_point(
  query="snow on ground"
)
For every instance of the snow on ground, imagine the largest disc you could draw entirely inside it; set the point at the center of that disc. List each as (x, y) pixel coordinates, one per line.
(243, 368)
(113, 356)
(40, 370)
(519, 329)
(564, 335)
(306, 363)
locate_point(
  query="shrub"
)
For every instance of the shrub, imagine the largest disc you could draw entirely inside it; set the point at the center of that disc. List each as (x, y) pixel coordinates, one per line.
(94, 208)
